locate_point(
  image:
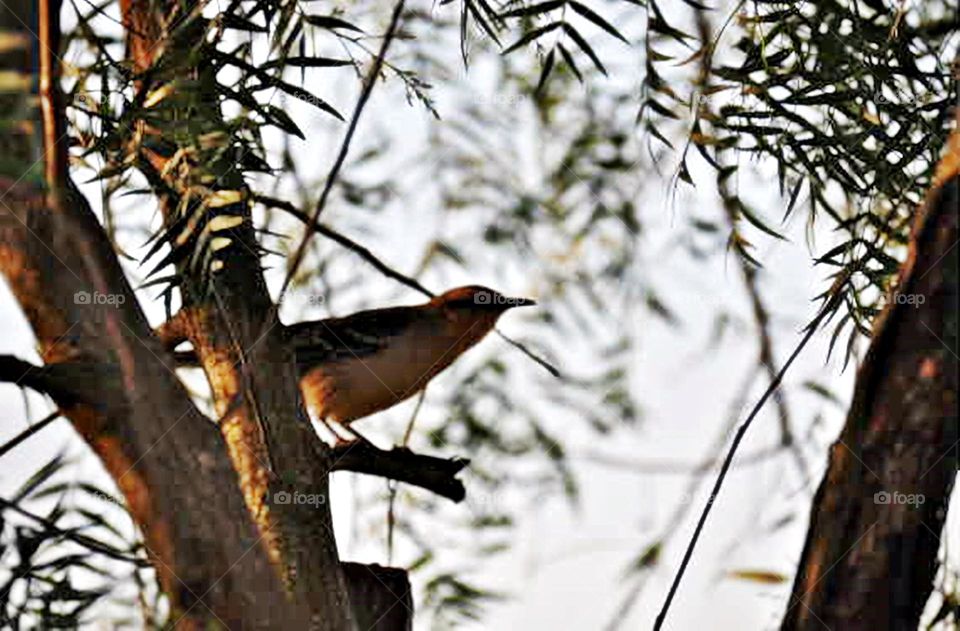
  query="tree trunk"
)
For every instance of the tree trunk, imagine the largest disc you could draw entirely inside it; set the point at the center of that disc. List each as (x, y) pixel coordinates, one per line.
(191, 487)
(167, 458)
(871, 554)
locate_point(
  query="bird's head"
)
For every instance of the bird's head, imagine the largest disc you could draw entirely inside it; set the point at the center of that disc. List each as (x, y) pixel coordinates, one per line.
(475, 302)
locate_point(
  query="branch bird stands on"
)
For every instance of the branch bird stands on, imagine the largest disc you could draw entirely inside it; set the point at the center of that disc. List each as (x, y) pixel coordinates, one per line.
(358, 365)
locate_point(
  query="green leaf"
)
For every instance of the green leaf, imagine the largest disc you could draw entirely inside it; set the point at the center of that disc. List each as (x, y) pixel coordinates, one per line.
(534, 9)
(329, 22)
(279, 118)
(648, 558)
(308, 62)
(298, 93)
(584, 46)
(532, 35)
(545, 73)
(237, 23)
(589, 14)
(568, 58)
(42, 475)
(482, 21)
(759, 576)
(759, 223)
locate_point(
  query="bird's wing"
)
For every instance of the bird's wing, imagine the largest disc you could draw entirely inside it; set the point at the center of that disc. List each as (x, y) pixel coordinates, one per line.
(354, 336)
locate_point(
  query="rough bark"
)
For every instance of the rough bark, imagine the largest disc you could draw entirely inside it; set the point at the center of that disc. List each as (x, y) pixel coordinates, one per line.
(234, 329)
(166, 457)
(386, 594)
(428, 472)
(870, 558)
(115, 381)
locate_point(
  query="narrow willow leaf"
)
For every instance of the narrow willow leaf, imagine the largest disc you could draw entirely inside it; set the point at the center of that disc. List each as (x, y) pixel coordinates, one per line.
(648, 558)
(237, 23)
(591, 15)
(534, 9)
(159, 94)
(758, 223)
(43, 474)
(491, 13)
(584, 46)
(568, 58)
(482, 21)
(659, 26)
(219, 243)
(308, 62)
(794, 194)
(532, 35)
(650, 127)
(759, 576)
(224, 222)
(281, 119)
(218, 199)
(545, 73)
(660, 109)
(172, 279)
(299, 93)
(330, 22)
(655, 56)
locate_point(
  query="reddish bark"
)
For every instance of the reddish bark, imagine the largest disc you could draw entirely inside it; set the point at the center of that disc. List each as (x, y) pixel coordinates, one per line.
(871, 554)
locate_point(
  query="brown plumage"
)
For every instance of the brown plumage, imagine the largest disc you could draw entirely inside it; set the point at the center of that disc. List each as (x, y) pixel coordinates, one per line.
(371, 360)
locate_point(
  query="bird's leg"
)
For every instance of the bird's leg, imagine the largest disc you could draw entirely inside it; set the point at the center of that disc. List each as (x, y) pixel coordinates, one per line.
(337, 438)
(360, 437)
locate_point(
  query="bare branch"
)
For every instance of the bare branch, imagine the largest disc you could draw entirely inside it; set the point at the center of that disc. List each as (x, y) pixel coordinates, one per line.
(370, 81)
(338, 237)
(428, 472)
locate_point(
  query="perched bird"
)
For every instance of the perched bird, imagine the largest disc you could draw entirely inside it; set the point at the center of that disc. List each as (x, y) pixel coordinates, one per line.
(354, 366)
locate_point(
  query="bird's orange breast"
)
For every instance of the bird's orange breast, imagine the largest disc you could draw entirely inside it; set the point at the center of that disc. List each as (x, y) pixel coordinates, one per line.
(354, 387)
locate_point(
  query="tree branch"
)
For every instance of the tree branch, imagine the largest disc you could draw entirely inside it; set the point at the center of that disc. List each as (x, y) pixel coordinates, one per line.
(382, 598)
(428, 472)
(365, 93)
(345, 241)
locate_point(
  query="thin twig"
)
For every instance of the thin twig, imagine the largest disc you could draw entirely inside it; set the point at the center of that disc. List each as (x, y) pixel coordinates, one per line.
(30, 431)
(428, 472)
(692, 489)
(345, 146)
(340, 238)
(812, 328)
(394, 486)
(526, 351)
(83, 540)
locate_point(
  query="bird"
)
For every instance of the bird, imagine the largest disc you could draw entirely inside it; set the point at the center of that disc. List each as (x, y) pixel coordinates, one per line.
(354, 366)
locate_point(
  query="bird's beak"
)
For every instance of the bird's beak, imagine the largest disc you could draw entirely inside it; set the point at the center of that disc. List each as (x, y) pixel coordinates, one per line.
(521, 302)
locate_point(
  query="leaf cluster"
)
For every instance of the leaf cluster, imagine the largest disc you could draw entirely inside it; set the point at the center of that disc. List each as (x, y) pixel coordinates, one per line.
(56, 566)
(849, 99)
